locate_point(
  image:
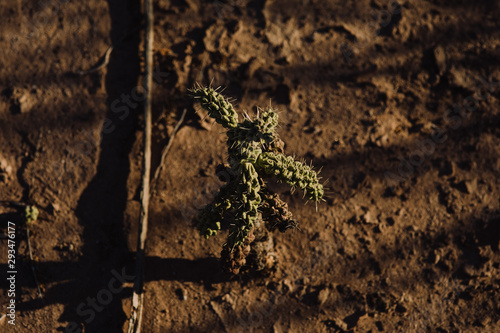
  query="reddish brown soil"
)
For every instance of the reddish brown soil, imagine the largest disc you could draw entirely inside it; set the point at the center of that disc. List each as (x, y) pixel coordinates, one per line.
(364, 89)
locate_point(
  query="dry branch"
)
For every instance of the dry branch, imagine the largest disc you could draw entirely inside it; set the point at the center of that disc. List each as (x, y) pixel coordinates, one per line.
(138, 295)
(165, 152)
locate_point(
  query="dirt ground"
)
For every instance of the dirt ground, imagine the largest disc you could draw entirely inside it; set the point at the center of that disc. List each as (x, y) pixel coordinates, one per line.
(396, 102)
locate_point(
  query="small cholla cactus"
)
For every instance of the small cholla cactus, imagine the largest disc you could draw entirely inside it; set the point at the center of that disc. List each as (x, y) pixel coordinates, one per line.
(30, 214)
(255, 153)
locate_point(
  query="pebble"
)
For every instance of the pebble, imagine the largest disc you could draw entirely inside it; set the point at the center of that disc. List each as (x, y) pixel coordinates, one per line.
(228, 299)
(440, 57)
(181, 293)
(466, 186)
(274, 35)
(54, 208)
(5, 167)
(323, 296)
(370, 218)
(287, 284)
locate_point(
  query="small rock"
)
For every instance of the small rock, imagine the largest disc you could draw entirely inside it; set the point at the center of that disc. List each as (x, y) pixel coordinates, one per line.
(370, 218)
(228, 299)
(22, 101)
(181, 293)
(275, 35)
(323, 296)
(65, 247)
(381, 141)
(216, 38)
(466, 186)
(440, 57)
(460, 78)
(277, 328)
(469, 270)
(5, 167)
(287, 284)
(437, 257)
(54, 208)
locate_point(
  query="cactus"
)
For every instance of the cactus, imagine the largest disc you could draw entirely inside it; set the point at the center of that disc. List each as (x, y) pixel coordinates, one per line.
(30, 214)
(255, 153)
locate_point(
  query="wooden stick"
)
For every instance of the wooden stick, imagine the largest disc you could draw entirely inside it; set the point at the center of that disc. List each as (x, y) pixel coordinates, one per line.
(31, 262)
(165, 152)
(138, 295)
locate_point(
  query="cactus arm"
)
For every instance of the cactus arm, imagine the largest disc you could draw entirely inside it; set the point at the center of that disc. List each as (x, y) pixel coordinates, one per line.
(217, 106)
(248, 200)
(210, 216)
(208, 221)
(294, 173)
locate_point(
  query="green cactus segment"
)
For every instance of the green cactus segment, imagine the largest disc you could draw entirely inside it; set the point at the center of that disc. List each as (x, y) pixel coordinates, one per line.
(30, 214)
(247, 141)
(210, 216)
(248, 201)
(261, 130)
(268, 121)
(217, 106)
(208, 221)
(244, 152)
(294, 173)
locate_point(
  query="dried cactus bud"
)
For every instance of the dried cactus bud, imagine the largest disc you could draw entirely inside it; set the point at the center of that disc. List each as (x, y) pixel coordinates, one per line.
(276, 146)
(275, 213)
(234, 258)
(261, 258)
